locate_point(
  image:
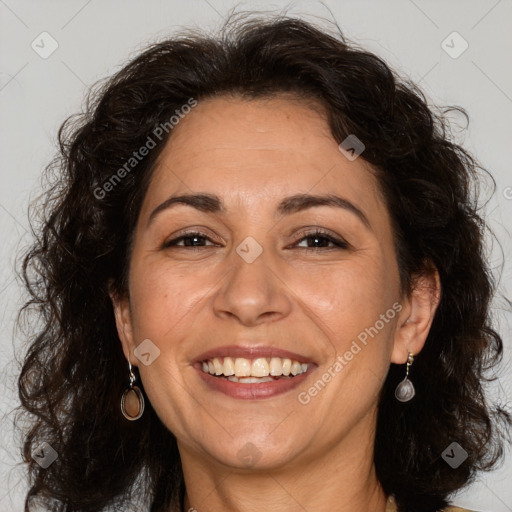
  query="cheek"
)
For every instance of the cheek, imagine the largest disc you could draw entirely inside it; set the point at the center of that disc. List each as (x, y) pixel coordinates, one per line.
(162, 301)
(349, 297)
(355, 307)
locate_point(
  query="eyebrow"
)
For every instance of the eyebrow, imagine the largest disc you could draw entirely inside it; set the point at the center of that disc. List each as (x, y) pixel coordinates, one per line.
(210, 203)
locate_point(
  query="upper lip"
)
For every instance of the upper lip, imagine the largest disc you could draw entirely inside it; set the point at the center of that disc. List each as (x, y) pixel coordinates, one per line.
(252, 352)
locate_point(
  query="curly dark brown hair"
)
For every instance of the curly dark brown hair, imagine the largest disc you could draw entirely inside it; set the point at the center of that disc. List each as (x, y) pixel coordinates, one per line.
(74, 370)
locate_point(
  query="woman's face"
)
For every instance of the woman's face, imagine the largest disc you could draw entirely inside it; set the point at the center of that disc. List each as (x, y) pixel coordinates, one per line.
(260, 287)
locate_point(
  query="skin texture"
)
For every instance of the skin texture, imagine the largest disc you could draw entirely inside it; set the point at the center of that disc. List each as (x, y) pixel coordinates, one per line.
(314, 301)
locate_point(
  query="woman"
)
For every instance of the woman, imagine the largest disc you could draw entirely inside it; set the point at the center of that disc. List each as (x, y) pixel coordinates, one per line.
(261, 281)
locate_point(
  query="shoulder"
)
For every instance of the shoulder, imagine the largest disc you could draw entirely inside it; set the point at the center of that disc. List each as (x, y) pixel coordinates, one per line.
(391, 507)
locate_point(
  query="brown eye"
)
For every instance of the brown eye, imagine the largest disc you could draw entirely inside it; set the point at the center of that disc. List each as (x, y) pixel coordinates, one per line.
(189, 240)
(321, 240)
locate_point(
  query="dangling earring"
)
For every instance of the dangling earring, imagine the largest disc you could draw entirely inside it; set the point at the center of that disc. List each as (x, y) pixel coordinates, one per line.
(132, 400)
(405, 390)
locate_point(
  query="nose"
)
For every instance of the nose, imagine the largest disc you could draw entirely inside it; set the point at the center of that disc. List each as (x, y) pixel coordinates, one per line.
(252, 293)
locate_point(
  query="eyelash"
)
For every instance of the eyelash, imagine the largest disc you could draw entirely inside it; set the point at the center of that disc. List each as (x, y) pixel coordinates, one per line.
(341, 244)
(318, 233)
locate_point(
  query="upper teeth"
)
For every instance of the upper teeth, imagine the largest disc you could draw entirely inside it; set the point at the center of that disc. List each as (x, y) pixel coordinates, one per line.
(261, 367)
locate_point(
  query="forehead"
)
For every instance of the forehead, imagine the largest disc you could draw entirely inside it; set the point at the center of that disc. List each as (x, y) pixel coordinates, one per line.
(245, 150)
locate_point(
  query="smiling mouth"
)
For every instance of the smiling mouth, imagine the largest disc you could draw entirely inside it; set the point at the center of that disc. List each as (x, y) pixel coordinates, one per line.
(253, 371)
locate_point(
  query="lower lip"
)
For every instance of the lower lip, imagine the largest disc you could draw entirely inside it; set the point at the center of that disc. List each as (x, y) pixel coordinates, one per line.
(252, 391)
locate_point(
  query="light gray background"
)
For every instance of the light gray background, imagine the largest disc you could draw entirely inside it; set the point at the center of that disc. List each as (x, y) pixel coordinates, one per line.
(96, 37)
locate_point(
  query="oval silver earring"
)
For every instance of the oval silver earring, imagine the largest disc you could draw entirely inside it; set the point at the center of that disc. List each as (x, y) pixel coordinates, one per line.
(405, 390)
(132, 399)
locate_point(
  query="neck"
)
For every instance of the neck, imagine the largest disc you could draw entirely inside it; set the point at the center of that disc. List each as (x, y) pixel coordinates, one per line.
(342, 478)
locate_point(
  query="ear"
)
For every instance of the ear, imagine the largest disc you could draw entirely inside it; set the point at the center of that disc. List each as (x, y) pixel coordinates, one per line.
(123, 318)
(416, 317)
